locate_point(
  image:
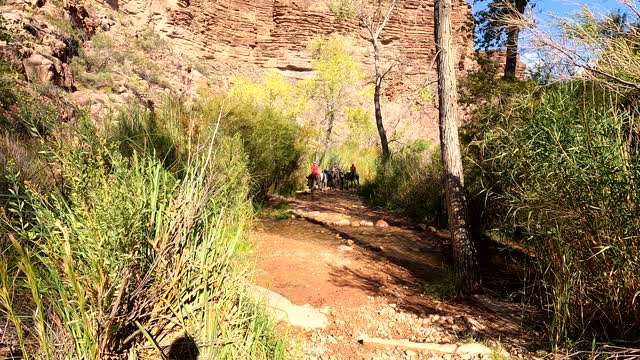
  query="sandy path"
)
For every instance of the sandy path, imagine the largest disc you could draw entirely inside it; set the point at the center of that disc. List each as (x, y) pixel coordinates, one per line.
(369, 281)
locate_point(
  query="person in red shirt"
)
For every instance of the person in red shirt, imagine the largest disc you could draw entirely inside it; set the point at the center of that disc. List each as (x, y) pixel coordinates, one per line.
(353, 169)
(315, 170)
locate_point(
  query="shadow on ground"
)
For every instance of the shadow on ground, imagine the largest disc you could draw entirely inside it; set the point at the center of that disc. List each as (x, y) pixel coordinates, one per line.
(183, 348)
(400, 263)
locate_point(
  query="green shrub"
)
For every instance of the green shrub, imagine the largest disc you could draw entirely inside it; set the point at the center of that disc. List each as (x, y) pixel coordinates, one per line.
(263, 116)
(560, 169)
(411, 182)
(129, 252)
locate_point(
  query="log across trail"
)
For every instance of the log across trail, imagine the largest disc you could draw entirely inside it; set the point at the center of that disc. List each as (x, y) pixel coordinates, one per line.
(374, 275)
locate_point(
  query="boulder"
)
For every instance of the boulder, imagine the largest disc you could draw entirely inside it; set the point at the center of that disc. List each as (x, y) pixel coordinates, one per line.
(48, 69)
(305, 317)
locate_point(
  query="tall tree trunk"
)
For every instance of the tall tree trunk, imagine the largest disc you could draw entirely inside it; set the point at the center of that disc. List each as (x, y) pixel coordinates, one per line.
(330, 119)
(464, 252)
(511, 60)
(376, 103)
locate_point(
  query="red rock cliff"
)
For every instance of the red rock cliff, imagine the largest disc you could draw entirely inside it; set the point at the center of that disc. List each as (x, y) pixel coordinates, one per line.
(274, 34)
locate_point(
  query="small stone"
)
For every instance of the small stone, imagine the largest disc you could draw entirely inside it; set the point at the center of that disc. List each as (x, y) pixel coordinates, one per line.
(366, 223)
(381, 224)
(349, 242)
(344, 248)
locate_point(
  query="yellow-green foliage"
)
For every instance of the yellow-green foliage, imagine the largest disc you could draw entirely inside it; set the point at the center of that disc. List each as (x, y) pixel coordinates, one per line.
(342, 9)
(273, 92)
(263, 115)
(361, 127)
(337, 80)
(364, 157)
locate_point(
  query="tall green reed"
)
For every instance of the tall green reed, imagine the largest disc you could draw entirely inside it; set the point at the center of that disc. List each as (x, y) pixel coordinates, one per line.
(561, 173)
(133, 249)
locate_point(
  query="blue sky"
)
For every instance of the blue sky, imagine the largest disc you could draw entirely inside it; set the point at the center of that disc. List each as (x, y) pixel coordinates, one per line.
(564, 7)
(560, 8)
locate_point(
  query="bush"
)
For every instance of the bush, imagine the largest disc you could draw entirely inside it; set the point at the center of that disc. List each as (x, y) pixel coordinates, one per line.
(561, 171)
(263, 116)
(411, 182)
(129, 253)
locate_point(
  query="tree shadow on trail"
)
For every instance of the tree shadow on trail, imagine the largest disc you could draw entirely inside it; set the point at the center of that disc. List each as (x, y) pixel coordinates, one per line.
(407, 293)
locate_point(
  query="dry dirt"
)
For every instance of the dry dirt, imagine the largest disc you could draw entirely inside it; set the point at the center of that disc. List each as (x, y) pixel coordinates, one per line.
(374, 282)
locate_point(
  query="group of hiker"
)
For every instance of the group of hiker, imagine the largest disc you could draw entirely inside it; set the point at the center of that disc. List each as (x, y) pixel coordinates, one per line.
(329, 176)
(334, 171)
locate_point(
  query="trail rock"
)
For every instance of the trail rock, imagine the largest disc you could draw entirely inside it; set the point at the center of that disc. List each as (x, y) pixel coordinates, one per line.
(473, 349)
(381, 224)
(301, 316)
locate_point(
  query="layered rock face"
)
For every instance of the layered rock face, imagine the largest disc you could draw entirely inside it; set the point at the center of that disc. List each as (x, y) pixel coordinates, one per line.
(274, 33)
(241, 35)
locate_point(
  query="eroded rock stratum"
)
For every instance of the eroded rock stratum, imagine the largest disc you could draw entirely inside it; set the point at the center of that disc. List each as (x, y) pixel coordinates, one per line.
(236, 37)
(274, 34)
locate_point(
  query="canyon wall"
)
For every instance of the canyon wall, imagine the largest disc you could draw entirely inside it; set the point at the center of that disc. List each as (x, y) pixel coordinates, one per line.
(274, 34)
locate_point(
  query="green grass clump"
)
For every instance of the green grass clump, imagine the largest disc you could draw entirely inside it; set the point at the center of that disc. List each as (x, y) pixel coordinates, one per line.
(411, 182)
(560, 173)
(137, 246)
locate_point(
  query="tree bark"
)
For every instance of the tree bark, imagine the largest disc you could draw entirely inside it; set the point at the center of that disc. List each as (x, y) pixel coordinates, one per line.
(464, 252)
(375, 28)
(511, 61)
(330, 119)
(384, 142)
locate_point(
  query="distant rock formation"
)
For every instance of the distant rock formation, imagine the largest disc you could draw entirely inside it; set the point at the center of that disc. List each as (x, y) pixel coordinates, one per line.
(240, 37)
(496, 60)
(274, 34)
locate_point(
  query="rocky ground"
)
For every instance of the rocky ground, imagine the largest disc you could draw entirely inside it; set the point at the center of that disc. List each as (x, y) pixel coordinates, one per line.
(374, 277)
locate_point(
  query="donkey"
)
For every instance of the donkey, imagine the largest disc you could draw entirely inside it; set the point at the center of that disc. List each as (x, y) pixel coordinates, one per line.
(352, 179)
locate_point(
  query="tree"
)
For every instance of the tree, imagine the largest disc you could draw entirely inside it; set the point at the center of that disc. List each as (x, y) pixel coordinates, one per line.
(336, 78)
(463, 248)
(373, 15)
(497, 26)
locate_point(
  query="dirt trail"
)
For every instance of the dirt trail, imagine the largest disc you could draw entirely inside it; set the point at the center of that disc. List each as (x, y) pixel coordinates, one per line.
(372, 281)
